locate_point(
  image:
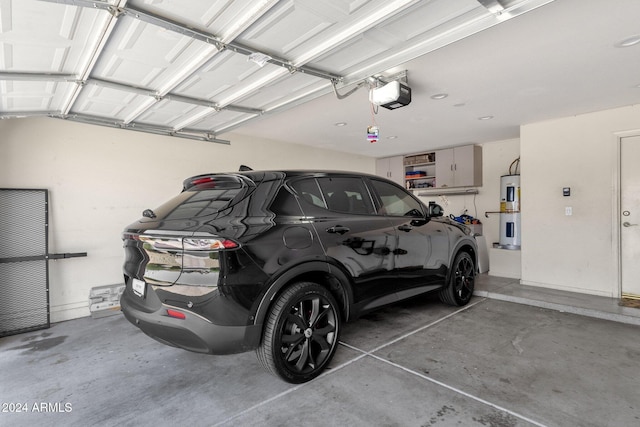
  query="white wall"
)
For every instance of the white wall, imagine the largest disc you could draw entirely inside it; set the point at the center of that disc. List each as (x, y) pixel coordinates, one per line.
(578, 252)
(101, 179)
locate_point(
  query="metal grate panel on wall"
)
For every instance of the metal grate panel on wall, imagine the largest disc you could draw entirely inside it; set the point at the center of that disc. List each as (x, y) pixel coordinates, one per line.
(24, 284)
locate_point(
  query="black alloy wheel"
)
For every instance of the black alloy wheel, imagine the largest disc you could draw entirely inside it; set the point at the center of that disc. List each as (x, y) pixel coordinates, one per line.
(459, 290)
(301, 333)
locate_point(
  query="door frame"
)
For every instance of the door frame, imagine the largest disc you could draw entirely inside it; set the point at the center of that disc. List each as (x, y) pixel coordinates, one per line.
(617, 208)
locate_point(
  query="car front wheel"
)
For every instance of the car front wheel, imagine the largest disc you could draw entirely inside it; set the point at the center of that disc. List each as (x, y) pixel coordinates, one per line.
(459, 290)
(301, 333)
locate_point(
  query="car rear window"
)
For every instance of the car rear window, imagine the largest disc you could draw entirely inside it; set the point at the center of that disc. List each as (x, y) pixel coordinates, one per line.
(206, 196)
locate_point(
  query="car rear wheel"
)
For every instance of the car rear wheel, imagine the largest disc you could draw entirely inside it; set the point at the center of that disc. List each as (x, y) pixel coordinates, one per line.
(301, 333)
(459, 290)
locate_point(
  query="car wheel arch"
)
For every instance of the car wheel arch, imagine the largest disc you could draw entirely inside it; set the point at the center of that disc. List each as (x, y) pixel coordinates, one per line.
(463, 246)
(318, 272)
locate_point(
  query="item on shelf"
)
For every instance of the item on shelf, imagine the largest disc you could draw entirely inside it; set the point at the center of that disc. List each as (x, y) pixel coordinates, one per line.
(415, 174)
(418, 159)
(465, 219)
(424, 184)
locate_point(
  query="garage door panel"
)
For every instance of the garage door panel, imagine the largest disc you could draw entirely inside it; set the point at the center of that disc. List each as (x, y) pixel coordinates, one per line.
(33, 96)
(426, 16)
(61, 41)
(353, 52)
(416, 24)
(286, 88)
(220, 18)
(288, 26)
(169, 113)
(102, 101)
(143, 54)
(224, 71)
(295, 26)
(219, 119)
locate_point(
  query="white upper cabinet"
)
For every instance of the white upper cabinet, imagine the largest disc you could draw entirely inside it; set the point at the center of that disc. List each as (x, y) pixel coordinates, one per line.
(459, 167)
(391, 168)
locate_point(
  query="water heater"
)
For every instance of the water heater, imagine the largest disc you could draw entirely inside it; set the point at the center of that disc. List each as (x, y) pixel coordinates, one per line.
(510, 212)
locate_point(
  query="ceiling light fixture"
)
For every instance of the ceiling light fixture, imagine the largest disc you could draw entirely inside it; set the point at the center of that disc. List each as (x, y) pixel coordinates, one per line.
(629, 41)
(340, 124)
(438, 96)
(485, 118)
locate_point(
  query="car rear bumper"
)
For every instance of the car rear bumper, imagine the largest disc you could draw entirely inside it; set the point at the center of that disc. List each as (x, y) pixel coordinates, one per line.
(193, 333)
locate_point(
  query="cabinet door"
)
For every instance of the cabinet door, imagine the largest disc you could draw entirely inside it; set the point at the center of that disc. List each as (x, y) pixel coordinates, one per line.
(445, 176)
(382, 167)
(396, 167)
(467, 166)
(391, 168)
(459, 167)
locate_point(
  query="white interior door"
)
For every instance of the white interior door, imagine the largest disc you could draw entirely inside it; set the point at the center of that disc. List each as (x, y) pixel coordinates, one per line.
(630, 215)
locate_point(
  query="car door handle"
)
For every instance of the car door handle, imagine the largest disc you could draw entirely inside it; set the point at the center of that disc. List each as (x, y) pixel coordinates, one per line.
(338, 229)
(405, 227)
(628, 224)
(384, 251)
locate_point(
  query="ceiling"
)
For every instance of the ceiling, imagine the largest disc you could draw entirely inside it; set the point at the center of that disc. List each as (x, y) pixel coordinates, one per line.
(291, 70)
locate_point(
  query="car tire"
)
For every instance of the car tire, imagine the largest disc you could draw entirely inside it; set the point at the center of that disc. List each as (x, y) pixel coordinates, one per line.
(459, 289)
(301, 333)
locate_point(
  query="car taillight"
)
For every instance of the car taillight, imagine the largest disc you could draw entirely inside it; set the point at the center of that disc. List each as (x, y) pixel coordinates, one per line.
(176, 314)
(203, 180)
(163, 243)
(207, 244)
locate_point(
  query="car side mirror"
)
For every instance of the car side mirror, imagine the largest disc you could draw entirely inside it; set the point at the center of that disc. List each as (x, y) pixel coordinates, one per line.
(435, 210)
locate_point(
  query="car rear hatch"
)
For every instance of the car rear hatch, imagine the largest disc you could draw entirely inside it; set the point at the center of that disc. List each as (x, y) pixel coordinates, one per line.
(173, 239)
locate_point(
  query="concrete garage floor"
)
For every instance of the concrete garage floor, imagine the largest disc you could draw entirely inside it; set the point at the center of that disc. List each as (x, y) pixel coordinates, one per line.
(509, 358)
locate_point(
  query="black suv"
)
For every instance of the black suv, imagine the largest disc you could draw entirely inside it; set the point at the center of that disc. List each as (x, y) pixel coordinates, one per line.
(277, 260)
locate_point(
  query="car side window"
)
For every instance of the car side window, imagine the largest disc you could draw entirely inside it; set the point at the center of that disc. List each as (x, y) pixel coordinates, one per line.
(338, 194)
(396, 202)
(308, 189)
(285, 204)
(346, 194)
